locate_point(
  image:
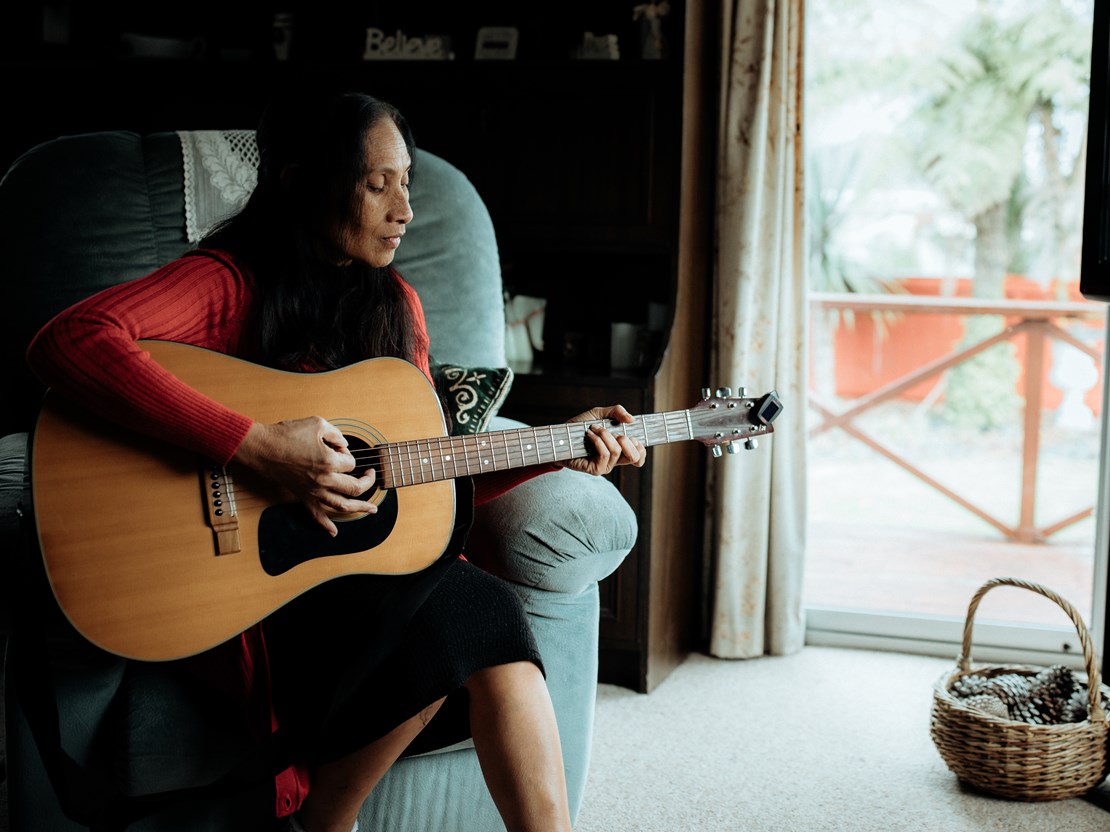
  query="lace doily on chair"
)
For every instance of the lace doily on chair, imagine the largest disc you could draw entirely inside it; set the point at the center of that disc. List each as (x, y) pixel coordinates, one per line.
(221, 170)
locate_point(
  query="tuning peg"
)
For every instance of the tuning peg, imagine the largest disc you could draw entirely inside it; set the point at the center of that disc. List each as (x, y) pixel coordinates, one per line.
(706, 393)
(750, 444)
(742, 392)
(716, 450)
(724, 392)
(734, 447)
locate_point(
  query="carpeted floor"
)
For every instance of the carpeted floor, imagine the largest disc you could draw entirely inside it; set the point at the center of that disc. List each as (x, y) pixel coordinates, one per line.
(827, 739)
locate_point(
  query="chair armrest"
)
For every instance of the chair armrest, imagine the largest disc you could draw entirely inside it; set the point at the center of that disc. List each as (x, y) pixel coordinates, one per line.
(13, 486)
(560, 531)
(13, 479)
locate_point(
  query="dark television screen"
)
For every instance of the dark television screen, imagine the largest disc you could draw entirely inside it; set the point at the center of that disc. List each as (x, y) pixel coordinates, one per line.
(1094, 274)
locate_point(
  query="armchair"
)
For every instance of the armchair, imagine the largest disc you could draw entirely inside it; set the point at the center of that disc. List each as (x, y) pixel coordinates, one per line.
(82, 212)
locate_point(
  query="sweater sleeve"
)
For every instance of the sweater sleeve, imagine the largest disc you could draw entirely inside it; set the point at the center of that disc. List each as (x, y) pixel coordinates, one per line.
(492, 485)
(90, 353)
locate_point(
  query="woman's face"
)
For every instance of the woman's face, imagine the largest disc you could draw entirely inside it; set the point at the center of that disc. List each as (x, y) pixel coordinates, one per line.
(374, 232)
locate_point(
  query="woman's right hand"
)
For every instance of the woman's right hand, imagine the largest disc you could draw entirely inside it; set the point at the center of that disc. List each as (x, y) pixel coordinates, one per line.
(309, 458)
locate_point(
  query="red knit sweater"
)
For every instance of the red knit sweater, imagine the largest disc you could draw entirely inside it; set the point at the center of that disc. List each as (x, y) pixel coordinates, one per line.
(89, 353)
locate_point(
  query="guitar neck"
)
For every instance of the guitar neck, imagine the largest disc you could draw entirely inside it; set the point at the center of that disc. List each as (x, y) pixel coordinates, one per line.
(429, 460)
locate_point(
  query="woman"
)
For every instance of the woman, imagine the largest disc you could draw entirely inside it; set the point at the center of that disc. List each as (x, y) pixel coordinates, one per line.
(360, 670)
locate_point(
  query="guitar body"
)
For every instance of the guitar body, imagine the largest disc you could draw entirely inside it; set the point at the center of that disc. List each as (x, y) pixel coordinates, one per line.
(126, 527)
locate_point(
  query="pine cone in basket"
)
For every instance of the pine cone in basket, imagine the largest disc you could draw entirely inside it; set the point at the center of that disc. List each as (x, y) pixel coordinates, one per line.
(988, 704)
(1051, 697)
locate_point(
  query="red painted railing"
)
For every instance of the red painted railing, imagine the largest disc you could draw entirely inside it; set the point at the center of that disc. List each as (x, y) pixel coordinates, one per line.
(1033, 323)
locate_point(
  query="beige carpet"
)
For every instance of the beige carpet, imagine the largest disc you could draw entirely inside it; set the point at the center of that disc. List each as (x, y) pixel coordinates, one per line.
(827, 739)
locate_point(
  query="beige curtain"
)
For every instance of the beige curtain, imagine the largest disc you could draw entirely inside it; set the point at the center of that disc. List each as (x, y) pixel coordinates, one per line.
(757, 506)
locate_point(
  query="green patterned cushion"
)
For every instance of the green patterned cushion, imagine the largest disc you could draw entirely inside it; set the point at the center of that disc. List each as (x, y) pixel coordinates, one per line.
(472, 395)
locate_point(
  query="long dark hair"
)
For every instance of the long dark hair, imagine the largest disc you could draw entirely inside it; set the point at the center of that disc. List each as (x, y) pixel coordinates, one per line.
(312, 313)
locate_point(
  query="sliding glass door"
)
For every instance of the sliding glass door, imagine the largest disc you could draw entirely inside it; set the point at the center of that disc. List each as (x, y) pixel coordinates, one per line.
(957, 373)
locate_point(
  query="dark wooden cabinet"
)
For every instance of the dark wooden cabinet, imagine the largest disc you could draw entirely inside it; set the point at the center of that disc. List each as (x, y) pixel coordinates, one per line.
(647, 239)
(597, 175)
(540, 399)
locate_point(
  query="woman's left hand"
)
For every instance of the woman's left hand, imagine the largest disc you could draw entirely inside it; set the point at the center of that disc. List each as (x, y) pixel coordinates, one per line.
(609, 450)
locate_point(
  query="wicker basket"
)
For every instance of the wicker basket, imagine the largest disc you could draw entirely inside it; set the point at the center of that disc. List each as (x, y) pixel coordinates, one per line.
(1017, 759)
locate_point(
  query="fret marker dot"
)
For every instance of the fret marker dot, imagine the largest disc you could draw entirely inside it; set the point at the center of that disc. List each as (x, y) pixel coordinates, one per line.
(424, 461)
(562, 441)
(485, 462)
(528, 447)
(447, 459)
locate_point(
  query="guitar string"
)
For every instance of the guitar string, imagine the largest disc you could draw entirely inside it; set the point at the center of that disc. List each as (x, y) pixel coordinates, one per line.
(423, 455)
(507, 438)
(504, 442)
(506, 448)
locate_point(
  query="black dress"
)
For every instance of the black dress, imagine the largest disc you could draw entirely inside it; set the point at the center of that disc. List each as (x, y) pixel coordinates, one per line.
(353, 658)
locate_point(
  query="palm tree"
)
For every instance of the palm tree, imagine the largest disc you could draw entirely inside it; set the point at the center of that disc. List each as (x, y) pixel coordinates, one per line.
(1000, 76)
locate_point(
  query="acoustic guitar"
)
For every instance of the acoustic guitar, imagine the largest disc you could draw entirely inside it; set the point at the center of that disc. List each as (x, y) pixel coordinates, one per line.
(156, 554)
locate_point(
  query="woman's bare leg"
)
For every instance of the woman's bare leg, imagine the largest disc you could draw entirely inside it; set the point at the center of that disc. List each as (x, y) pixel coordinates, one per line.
(515, 735)
(513, 725)
(340, 787)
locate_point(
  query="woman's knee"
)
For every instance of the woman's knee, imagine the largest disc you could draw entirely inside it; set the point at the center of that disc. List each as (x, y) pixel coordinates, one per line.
(510, 676)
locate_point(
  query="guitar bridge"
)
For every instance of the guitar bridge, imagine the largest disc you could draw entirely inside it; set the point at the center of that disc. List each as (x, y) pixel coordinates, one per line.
(219, 501)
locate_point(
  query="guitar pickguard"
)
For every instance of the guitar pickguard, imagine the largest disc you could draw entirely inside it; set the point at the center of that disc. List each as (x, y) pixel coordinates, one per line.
(288, 536)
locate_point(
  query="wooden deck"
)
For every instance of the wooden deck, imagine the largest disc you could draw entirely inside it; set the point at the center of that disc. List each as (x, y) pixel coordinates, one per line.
(914, 571)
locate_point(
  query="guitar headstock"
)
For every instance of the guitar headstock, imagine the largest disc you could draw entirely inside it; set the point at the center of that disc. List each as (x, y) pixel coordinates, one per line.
(722, 420)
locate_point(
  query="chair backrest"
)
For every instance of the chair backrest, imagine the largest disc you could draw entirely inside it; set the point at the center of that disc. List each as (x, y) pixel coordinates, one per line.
(80, 213)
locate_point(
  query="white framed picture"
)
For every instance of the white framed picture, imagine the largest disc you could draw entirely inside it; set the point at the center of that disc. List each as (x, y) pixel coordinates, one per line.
(496, 43)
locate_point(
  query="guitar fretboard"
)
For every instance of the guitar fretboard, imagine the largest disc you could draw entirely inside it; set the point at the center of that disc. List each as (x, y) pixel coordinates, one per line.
(448, 457)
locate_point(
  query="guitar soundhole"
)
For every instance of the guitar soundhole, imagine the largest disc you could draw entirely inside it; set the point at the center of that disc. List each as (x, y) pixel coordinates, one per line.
(288, 536)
